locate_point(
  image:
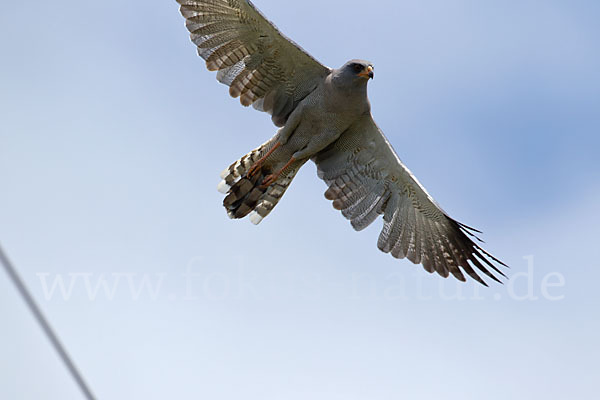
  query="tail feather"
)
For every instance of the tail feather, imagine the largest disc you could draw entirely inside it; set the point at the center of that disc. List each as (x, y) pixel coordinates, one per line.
(245, 195)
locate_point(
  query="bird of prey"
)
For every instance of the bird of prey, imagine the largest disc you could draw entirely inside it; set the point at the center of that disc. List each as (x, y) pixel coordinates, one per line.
(324, 115)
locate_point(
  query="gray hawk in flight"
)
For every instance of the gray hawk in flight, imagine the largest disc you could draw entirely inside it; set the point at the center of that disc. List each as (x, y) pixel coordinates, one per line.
(323, 115)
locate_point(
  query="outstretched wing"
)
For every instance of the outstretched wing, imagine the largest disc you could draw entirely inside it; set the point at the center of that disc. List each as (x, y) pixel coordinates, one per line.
(259, 64)
(367, 179)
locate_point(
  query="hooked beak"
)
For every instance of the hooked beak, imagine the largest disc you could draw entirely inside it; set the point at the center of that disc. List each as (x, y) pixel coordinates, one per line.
(367, 73)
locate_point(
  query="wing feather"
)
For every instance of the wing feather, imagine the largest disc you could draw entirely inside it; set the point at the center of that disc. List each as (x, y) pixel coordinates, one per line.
(366, 179)
(262, 66)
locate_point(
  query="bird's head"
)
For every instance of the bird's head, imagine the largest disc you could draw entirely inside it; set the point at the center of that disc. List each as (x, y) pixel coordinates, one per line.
(358, 70)
(353, 74)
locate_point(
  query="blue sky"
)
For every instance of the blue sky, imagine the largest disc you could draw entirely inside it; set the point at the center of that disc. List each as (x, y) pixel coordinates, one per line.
(112, 137)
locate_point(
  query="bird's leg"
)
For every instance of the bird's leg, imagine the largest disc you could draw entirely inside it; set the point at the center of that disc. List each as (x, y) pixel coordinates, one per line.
(283, 135)
(270, 179)
(285, 132)
(317, 144)
(258, 164)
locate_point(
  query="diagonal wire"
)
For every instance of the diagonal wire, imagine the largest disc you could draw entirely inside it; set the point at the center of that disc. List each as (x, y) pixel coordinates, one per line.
(37, 313)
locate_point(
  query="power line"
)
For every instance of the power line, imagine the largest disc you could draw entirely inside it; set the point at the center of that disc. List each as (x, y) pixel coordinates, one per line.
(37, 313)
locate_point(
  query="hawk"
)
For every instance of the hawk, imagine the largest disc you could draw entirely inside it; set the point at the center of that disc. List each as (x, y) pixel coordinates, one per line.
(323, 115)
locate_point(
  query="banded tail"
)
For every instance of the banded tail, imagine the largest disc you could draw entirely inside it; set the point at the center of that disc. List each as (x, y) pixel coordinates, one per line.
(245, 195)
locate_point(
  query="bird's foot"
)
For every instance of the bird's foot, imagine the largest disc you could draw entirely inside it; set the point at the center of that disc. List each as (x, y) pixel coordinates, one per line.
(258, 164)
(269, 180)
(254, 168)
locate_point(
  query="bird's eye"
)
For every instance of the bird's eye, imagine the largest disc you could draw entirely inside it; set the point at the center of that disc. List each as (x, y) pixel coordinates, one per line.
(358, 68)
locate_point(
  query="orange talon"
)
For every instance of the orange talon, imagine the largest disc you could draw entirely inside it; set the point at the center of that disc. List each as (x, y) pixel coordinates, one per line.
(254, 169)
(270, 179)
(258, 164)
